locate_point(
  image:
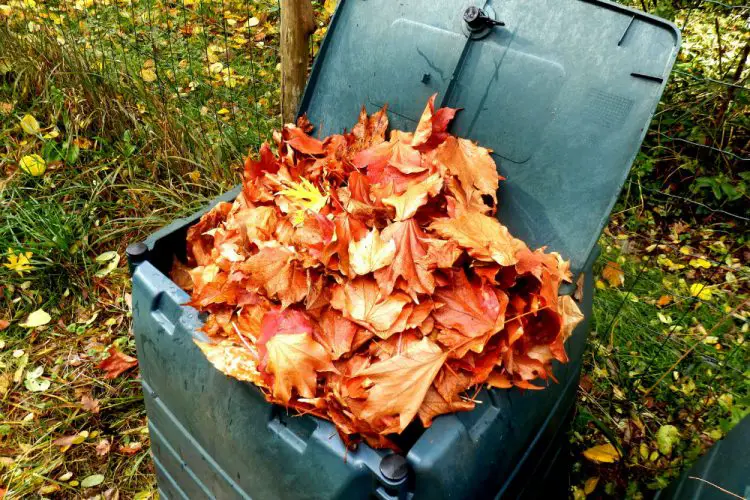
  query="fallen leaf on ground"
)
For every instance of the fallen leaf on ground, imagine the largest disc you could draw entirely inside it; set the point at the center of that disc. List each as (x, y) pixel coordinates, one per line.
(37, 318)
(90, 403)
(116, 363)
(131, 448)
(92, 480)
(612, 272)
(602, 454)
(103, 447)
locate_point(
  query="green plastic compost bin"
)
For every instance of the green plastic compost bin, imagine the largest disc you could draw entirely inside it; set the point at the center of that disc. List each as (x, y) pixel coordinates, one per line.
(562, 91)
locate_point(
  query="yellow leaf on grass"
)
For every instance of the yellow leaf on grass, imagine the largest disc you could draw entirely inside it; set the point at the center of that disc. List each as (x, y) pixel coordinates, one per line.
(701, 291)
(148, 73)
(30, 125)
(602, 454)
(700, 263)
(590, 485)
(20, 262)
(33, 165)
(37, 318)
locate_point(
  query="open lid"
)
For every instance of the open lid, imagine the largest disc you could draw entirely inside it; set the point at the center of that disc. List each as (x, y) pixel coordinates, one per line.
(563, 93)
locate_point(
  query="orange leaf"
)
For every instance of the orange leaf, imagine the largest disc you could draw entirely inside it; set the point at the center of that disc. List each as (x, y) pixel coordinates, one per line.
(612, 272)
(397, 386)
(431, 129)
(116, 363)
(131, 449)
(336, 333)
(482, 236)
(294, 360)
(408, 264)
(276, 269)
(472, 165)
(300, 141)
(415, 196)
(361, 301)
(4, 323)
(473, 309)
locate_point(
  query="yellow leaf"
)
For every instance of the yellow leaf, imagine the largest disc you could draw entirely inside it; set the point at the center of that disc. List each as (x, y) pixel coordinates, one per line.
(37, 318)
(701, 291)
(216, 67)
(148, 75)
(33, 165)
(30, 125)
(590, 485)
(253, 21)
(20, 262)
(194, 176)
(306, 195)
(330, 6)
(700, 263)
(223, 111)
(644, 451)
(602, 454)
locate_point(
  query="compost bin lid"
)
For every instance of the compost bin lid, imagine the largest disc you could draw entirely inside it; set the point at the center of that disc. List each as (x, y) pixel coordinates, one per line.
(563, 93)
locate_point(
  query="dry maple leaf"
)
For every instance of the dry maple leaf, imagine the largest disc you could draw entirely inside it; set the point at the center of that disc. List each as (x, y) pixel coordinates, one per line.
(472, 165)
(116, 363)
(482, 236)
(276, 270)
(414, 197)
(409, 261)
(473, 309)
(397, 386)
(432, 126)
(361, 301)
(435, 405)
(238, 362)
(371, 253)
(294, 360)
(336, 333)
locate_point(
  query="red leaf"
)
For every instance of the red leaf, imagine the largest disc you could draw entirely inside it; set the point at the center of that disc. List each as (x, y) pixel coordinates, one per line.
(473, 309)
(300, 141)
(116, 363)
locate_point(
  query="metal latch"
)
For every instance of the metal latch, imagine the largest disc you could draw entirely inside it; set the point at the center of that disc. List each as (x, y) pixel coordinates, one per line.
(477, 21)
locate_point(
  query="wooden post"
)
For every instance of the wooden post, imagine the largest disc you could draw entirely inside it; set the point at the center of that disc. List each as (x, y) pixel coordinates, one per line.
(297, 23)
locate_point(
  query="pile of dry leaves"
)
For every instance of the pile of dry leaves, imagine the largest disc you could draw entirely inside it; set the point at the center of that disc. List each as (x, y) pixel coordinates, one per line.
(365, 280)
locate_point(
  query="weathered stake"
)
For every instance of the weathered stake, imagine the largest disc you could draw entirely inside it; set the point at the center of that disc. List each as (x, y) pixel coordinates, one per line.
(297, 24)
